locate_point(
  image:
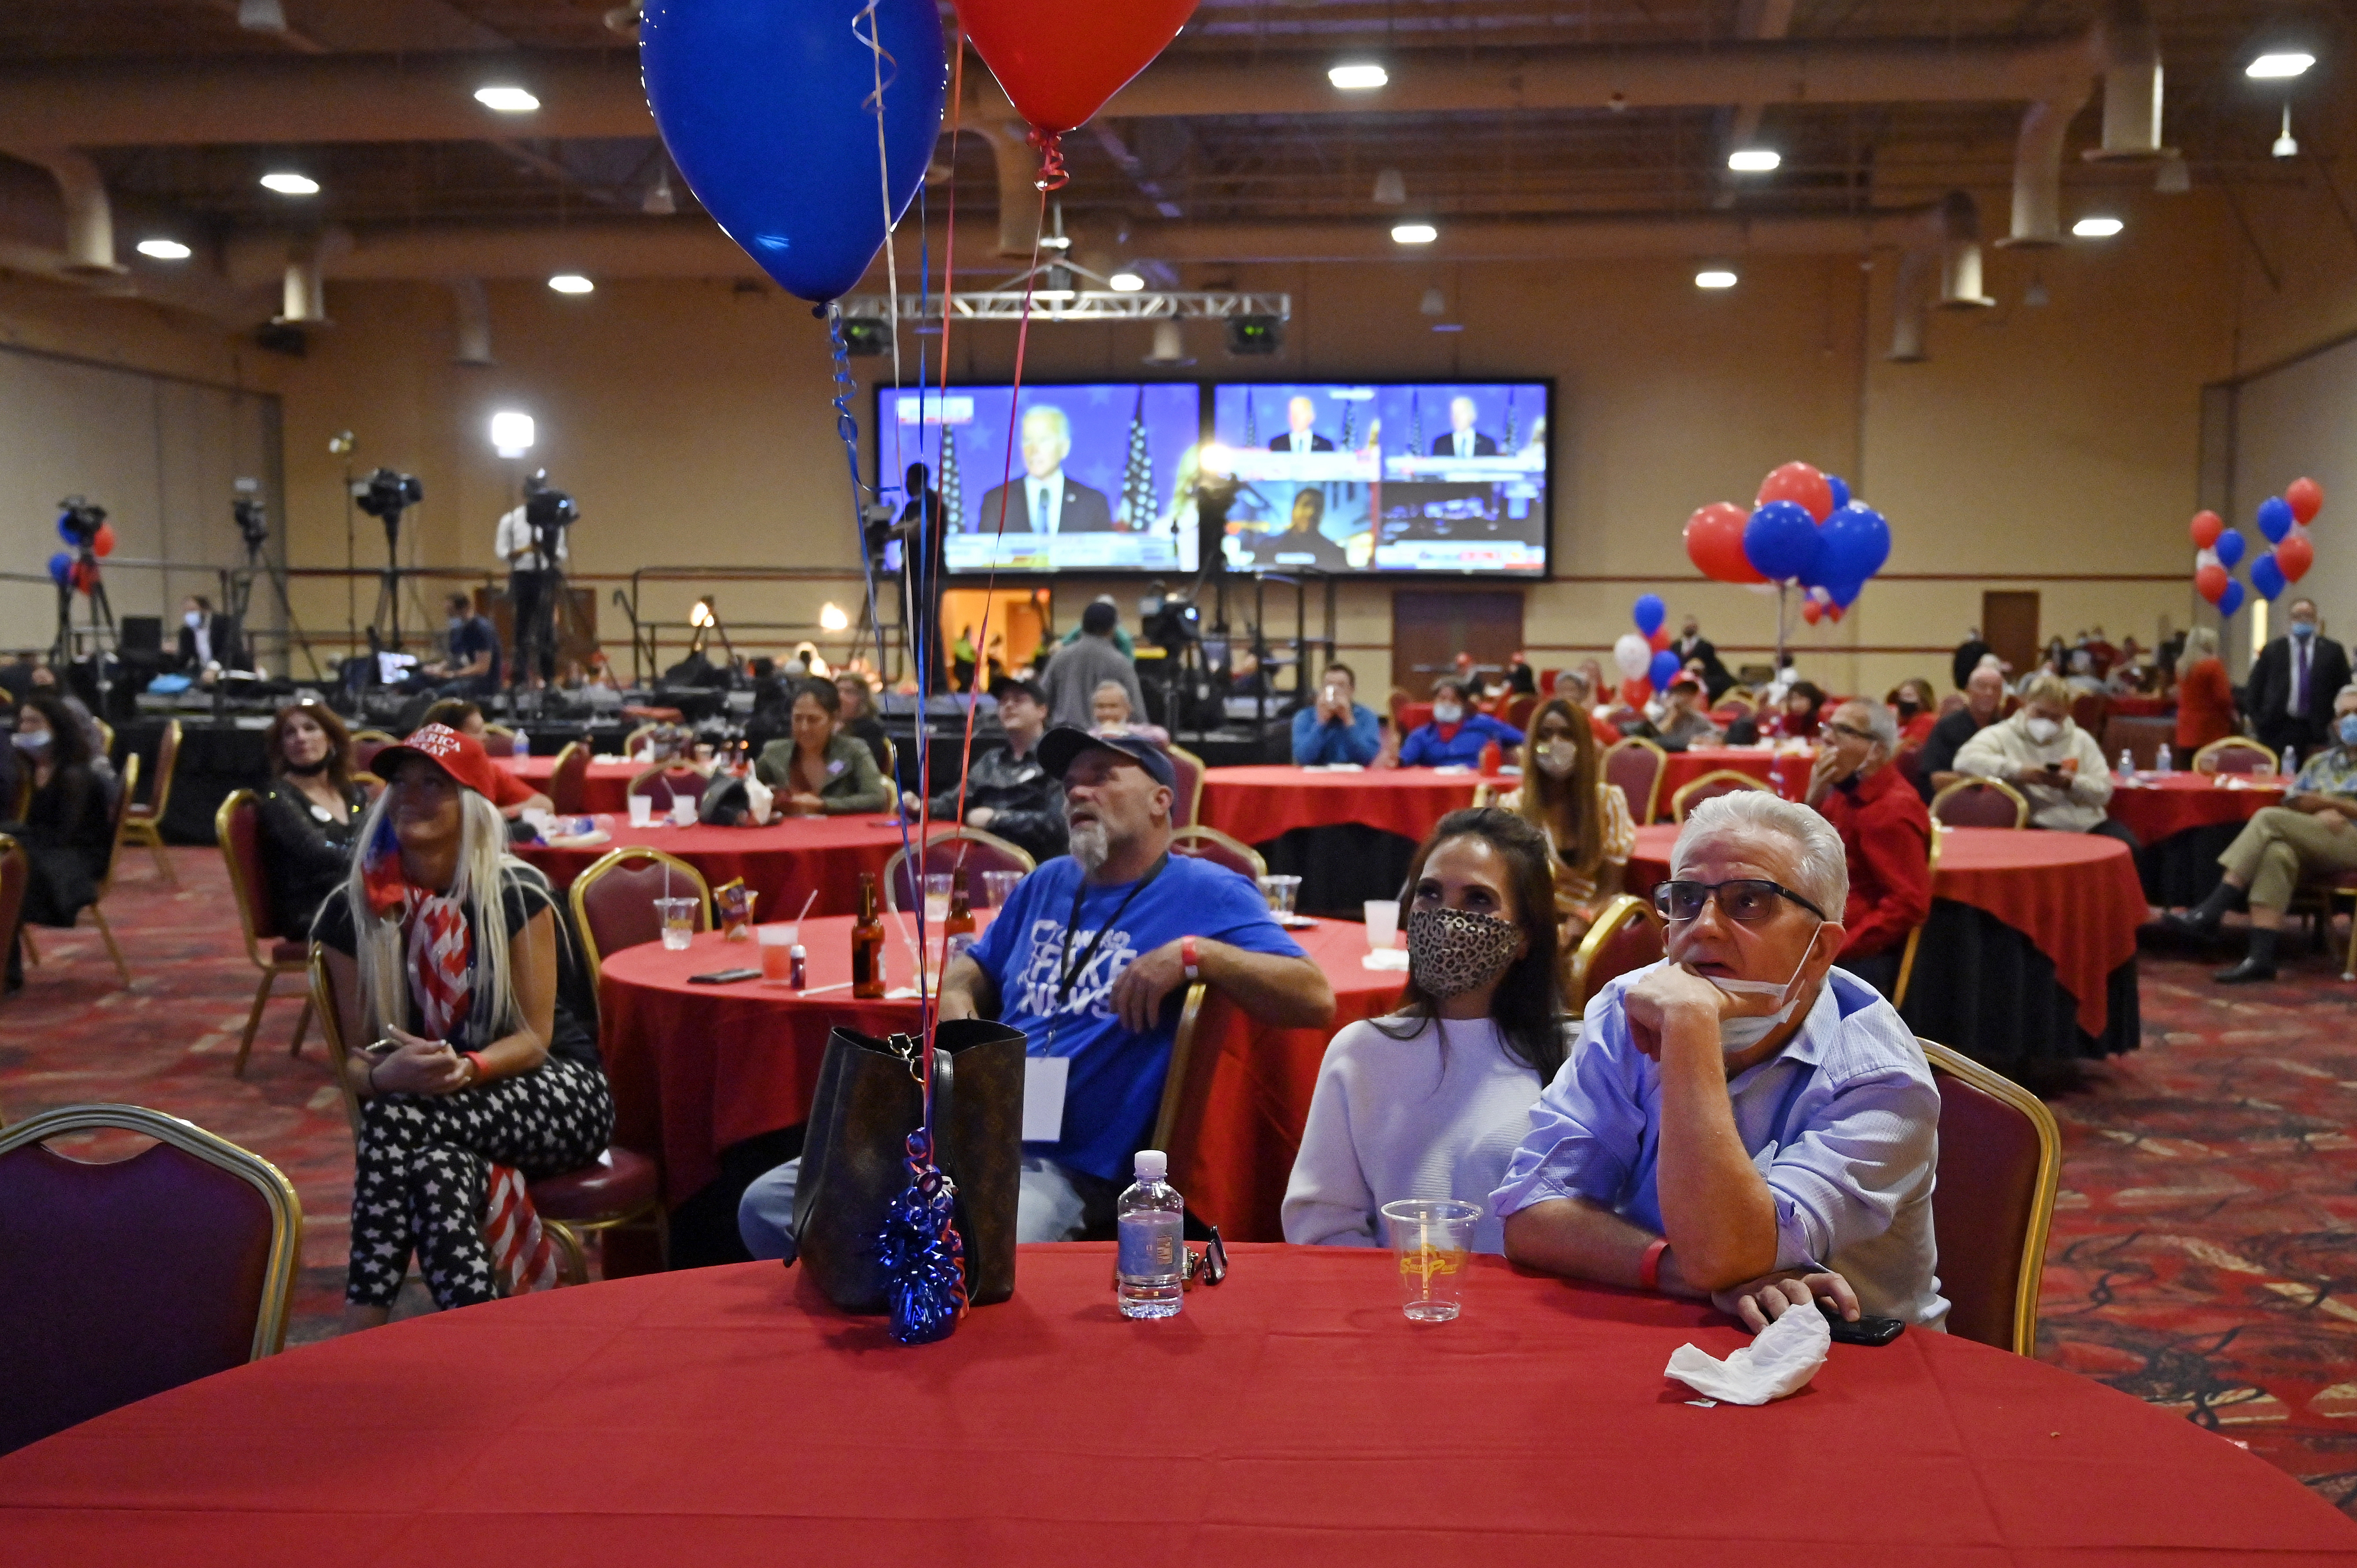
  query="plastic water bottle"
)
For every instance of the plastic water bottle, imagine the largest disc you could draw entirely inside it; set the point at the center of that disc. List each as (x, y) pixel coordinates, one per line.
(2128, 763)
(2289, 767)
(1150, 1218)
(522, 742)
(2161, 763)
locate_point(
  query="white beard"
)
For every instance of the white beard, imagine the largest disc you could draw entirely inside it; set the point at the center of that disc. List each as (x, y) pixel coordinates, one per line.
(1090, 846)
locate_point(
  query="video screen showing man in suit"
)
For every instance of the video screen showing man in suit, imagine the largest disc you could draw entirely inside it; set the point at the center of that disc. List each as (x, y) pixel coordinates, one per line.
(1045, 500)
(1300, 433)
(1463, 440)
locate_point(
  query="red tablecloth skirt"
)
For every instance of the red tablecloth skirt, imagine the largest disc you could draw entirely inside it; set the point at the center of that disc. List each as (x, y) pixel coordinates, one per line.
(695, 1069)
(782, 862)
(2160, 808)
(1257, 804)
(605, 787)
(729, 1418)
(2074, 896)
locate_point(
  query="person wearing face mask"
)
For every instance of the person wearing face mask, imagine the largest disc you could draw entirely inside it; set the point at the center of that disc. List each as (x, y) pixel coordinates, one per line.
(1090, 957)
(1457, 734)
(2290, 694)
(2054, 763)
(1797, 713)
(68, 831)
(1886, 834)
(1742, 1120)
(2310, 834)
(1916, 706)
(1431, 1101)
(1683, 723)
(1338, 727)
(208, 640)
(310, 812)
(1583, 816)
(2205, 696)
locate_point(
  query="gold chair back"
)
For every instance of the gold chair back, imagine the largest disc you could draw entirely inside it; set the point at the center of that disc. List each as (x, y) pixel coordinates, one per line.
(1717, 781)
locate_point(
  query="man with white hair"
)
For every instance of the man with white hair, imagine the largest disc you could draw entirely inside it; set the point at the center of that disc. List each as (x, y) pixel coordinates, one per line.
(1886, 834)
(1741, 1120)
(1045, 500)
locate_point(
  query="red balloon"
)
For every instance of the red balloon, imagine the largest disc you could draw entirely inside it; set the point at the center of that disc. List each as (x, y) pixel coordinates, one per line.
(1058, 62)
(102, 542)
(2295, 555)
(1834, 613)
(2210, 582)
(1634, 693)
(2306, 498)
(1715, 543)
(2207, 527)
(1811, 611)
(1798, 482)
(85, 575)
(1660, 639)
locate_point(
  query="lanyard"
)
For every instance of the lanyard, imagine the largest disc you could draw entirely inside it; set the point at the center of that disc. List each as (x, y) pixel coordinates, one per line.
(1066, 972)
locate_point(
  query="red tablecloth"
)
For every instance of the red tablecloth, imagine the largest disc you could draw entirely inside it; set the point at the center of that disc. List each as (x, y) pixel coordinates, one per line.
(2074, 896)
(781, 863)
(606, 787)
(1789, 774)
(2159, 808)
(2141, 707)
(1257, 804)
(729, 1418)
(695, 1069)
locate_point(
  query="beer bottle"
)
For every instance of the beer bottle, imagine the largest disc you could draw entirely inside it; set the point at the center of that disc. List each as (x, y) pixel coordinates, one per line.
(867, 942)
(957, 929)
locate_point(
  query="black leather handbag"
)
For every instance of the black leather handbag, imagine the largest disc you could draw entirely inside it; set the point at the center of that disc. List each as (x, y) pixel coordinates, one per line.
(854, 1154)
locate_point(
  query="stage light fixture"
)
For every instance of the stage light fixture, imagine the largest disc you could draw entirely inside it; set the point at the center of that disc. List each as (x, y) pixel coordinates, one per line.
(1716, 277)
(512, 433)
(506, 100)
(1358, 76)
(2287, 145)
(1414, 234)
(571, 283)
(285, 182)
(2279, 65)
(832, 618)
(1754, 160)
(1126, 282)
(163, 250)
(1255, 334)
(2097, 228)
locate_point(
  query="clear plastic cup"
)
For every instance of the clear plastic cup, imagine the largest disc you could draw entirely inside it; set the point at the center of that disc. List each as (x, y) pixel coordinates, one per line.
(937, 896)
(998, 886)
(683, 811)
(642, 810)
(1382, 922)
(778, 942)
(1281, 891)
(678, 916)
(1432, 1240)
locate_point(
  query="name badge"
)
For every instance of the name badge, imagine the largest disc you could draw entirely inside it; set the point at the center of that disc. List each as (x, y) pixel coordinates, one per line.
(833, 769)
(1043, 1097)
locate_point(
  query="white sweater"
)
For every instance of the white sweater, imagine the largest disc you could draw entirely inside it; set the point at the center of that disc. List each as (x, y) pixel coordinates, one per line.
(1395, 1119)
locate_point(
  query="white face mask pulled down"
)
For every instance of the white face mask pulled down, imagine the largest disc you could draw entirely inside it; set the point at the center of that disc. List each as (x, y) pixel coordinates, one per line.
(1738, 1035)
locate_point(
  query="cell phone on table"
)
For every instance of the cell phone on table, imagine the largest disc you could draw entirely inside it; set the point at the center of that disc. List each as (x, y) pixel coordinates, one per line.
(723, 977)
(1865, 1331)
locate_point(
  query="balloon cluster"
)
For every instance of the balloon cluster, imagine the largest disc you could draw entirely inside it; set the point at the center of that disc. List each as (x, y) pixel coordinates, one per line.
(1643, 657)
(75, 569)
(1804, 527)
(2282, 521)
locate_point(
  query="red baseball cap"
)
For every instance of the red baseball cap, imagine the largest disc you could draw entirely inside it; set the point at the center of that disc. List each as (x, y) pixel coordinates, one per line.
(462, 757)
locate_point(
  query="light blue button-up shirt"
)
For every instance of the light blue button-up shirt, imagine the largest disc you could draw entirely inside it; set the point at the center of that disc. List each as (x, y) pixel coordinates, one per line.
(1844, 1123)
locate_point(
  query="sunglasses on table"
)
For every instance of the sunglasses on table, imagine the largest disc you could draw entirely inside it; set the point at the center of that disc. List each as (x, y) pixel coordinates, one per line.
(1747, 900)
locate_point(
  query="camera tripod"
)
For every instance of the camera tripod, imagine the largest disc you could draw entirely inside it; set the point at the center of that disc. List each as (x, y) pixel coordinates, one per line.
(237, 589)
(104, 638)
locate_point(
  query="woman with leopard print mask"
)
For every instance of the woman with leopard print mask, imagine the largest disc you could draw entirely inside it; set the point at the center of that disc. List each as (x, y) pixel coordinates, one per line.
(1431, 1101)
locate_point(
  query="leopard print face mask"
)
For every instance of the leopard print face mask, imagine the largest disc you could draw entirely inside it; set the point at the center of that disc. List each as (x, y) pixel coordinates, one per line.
(1450, 951)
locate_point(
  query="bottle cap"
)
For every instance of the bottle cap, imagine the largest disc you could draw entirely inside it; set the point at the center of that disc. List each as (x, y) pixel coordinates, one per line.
(1153, 1164)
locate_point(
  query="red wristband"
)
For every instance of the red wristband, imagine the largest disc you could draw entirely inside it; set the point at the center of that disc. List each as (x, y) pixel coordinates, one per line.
(1649, 1267)
(482, 1075)
(1186, 958)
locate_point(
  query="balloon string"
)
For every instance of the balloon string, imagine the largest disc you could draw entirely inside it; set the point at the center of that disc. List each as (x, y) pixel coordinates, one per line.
(1051, 159)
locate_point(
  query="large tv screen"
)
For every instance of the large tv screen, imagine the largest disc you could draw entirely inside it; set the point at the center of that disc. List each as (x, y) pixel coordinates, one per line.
(1432, 477)
(1103, 474)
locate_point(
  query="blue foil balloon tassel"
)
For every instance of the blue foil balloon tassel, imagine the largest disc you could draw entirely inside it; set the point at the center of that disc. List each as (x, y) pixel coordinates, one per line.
(924, 1262)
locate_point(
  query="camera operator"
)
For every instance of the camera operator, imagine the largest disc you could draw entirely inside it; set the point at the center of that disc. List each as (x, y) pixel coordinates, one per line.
(208, 641)
(531, 541)
(472, 668)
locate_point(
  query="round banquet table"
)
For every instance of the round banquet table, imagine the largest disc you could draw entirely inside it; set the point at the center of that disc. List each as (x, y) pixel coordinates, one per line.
(2184, 821)
(729, 1417)
(2029, 955)
(1348, 834)
(782, 862)
(604, 788)
(1789, 773)
(697, 1069)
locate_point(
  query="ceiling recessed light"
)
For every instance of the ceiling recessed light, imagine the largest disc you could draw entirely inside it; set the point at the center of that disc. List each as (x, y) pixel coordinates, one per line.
(571, 283)
(1754, 160)
(506, 100)
(1714, 277)
(2275, 65)
(1358, 78)
(2097, 228)
(286, 183)
(163, 250)
(1126, 282)
(1414, 234)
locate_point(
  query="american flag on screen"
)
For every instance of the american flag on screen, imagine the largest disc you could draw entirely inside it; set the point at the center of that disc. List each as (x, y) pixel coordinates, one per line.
(1349, 427)
(1416, 424)
(1136, 510)
(1513, 425)
(1252, 421)
(952, 518)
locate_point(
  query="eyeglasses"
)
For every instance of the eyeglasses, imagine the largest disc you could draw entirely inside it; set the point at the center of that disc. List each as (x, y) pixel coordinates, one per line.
(1852, 731)
(1747, 902)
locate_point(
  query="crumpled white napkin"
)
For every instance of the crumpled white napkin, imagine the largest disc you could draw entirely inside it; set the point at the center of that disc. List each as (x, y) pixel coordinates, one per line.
(1391, 959)
(1780, 1360)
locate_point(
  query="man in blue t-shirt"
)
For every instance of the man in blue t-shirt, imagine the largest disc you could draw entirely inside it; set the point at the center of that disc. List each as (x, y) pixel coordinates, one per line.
(1090, 957)
(472, 668)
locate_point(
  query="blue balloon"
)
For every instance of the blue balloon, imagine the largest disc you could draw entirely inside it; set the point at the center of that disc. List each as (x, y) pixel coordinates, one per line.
(1664, 669)
(2231, 600)
(1840, 488)
(2266, 577)
(2276, 520)
(1780, 540)
(1650, 612)
(1856, 542)
(2229, 548)
(766, 109)
(60, 568)
(1843, 591)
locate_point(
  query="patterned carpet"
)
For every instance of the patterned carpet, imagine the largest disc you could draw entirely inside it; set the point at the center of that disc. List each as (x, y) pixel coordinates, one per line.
(2204, 1242)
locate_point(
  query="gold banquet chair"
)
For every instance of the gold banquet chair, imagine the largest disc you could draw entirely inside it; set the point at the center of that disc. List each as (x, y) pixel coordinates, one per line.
(144, 824)
(1709, 786)
(1993, 1201)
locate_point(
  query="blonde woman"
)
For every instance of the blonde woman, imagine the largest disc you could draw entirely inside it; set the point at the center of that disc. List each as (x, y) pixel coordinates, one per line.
(1586, 819)
(477, 1061)
(2205, 697)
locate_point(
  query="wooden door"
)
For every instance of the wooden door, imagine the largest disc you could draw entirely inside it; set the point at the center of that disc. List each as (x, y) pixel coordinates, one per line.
(1431, 626)
(2009, 626)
